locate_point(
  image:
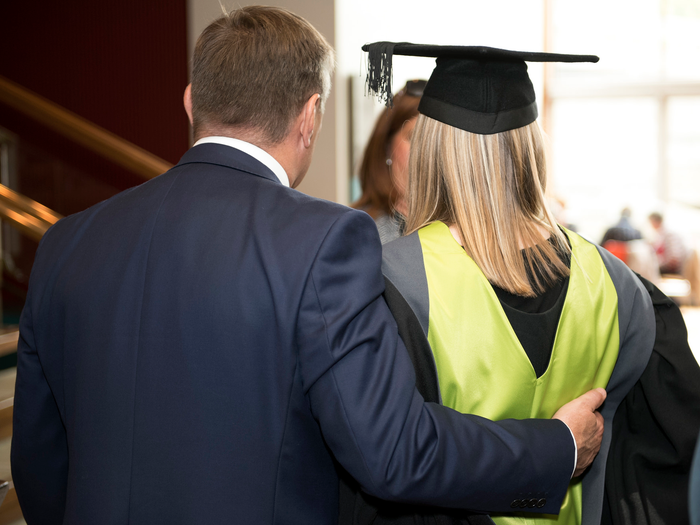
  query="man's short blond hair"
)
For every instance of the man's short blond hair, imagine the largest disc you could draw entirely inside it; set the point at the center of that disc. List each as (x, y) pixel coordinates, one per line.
(255, 67)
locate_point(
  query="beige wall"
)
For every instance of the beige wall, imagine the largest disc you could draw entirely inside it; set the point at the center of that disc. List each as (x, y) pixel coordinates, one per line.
(328, 175)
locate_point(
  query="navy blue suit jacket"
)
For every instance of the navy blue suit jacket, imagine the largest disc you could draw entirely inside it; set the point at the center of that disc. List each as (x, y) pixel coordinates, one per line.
(203, 348)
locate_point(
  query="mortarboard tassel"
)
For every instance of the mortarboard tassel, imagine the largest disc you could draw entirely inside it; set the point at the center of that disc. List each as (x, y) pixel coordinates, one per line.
(379, 71)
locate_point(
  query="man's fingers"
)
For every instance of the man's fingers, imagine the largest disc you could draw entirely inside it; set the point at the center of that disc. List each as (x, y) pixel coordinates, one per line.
(600, 421)
(588, 402)
(594, 398)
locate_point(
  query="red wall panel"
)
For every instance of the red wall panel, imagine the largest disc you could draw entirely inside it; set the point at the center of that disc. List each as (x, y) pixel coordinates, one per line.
(122, 65)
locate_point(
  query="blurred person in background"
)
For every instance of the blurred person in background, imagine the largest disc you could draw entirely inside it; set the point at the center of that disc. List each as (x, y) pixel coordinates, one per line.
(668, 245)
(384, 165)
(625, 242)
(623, 230)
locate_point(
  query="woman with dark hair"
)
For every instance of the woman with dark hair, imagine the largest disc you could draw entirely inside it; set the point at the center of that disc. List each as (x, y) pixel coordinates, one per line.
(384, 165)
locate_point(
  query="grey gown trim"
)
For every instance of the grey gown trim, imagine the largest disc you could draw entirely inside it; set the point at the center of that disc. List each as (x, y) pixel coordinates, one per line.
(637, 333)
(402, 264)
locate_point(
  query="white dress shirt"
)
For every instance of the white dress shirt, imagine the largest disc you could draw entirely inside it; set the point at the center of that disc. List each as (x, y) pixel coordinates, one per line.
(252, 150)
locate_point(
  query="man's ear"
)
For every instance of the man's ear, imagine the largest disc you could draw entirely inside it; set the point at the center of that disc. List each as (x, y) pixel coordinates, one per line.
(187, 100)
(308, 119)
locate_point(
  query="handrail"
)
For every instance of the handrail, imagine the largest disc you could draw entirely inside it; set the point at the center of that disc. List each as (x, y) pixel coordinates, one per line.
(82, 131)
(28, 205)
(30, 217)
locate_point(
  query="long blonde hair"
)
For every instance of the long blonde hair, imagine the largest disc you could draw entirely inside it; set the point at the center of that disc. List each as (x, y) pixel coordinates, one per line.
(492, 187)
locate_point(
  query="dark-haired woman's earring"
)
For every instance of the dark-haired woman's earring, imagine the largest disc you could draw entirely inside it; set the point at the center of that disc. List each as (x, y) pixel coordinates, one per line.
(389, 162)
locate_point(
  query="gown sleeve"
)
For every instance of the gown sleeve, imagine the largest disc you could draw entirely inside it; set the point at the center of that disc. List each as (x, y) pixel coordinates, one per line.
(655, 430)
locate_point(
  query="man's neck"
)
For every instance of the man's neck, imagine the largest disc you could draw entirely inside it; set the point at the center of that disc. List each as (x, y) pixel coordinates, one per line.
(281, 152)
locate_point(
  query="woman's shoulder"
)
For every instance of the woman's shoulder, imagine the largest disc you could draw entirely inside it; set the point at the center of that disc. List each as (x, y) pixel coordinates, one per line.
(401, 250)
(389, 227)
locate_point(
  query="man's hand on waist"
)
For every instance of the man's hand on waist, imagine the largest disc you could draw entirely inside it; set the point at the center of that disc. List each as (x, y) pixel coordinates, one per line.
(586, 424)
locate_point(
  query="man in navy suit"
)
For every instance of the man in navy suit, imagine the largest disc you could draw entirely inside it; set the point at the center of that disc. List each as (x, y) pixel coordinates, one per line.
(210, 346)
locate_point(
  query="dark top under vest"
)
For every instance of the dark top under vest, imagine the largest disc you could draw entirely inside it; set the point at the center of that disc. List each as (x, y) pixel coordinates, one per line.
(535, 319)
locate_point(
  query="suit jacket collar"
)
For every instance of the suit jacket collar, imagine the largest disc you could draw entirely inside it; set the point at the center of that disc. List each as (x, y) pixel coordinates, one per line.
(228, 157)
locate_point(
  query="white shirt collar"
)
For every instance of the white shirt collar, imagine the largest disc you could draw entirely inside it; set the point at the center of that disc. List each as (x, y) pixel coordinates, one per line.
(252, 150)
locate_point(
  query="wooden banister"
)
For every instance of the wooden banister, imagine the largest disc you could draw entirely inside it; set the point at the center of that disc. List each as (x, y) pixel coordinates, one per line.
(82, 131)
(28, 205)
(28, 216)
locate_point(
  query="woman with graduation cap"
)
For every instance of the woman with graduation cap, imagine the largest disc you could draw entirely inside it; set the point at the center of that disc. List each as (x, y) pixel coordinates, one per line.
(508, 315)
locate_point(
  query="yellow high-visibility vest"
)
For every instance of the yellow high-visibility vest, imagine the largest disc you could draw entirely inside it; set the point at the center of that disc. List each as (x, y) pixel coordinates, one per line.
(483, 369)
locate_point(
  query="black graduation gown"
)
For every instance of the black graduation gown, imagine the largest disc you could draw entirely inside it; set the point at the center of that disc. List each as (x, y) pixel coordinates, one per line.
(655, 430)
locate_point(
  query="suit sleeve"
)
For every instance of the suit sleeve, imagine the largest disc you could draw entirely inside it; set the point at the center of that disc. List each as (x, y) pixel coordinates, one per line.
(39, 448)
(361, 386)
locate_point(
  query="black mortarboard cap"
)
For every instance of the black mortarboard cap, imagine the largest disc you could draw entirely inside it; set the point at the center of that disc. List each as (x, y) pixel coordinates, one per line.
(478, 89)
